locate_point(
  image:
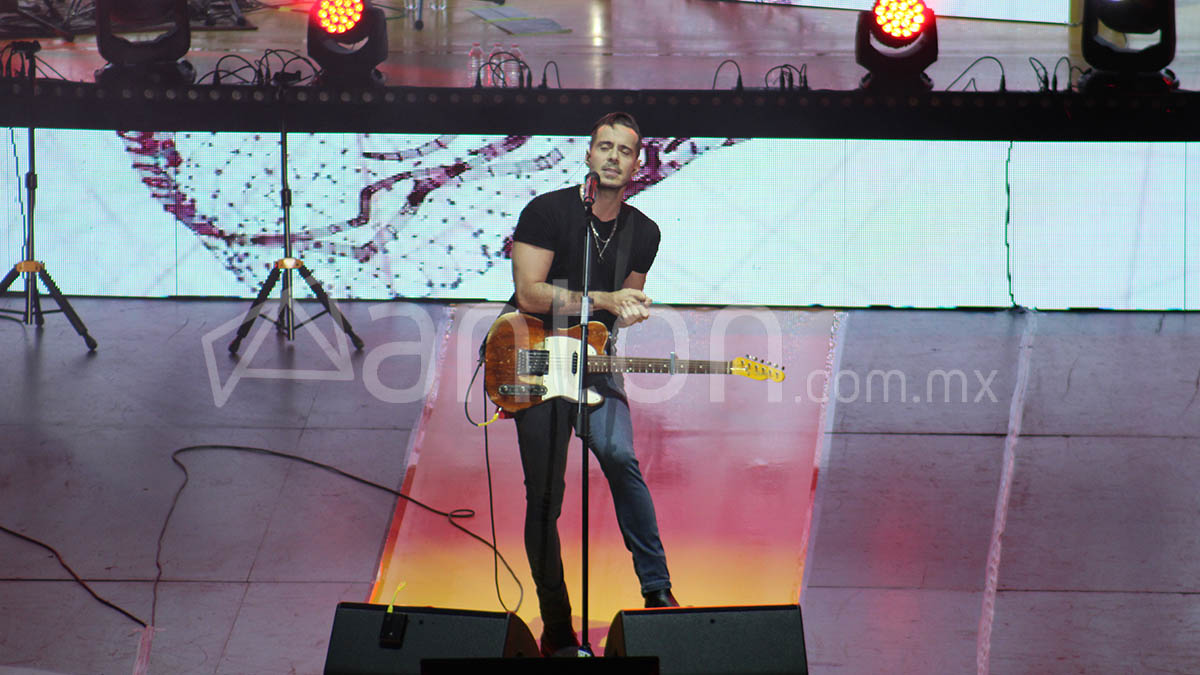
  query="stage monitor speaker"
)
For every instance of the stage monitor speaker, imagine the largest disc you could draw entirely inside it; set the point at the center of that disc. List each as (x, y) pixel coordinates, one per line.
(727, 640)
(368, 640)
(609, 665)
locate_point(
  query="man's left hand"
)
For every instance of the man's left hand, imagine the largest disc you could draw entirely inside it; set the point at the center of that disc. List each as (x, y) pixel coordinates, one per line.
(630, 312)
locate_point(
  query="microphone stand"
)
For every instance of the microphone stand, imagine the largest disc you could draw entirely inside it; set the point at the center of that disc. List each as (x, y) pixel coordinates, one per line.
(581, 413)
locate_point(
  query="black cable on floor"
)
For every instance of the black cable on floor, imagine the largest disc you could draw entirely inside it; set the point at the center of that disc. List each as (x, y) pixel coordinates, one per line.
(451, 516)
(70, 571)
(487, 461)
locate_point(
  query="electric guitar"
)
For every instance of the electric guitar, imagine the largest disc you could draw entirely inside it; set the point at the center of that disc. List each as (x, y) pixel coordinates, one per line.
(524, 365)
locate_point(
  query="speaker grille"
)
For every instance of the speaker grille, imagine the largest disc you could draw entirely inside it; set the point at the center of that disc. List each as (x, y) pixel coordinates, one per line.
(727, 640)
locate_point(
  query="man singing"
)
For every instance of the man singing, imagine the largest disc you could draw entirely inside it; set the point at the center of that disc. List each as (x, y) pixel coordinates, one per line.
(547, 257)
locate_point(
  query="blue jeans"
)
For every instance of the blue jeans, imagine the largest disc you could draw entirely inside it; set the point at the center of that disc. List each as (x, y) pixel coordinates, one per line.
(544, 433)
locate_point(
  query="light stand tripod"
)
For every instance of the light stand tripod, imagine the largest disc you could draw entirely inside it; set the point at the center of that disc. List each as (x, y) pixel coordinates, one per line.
(286, 320)
(30, 267)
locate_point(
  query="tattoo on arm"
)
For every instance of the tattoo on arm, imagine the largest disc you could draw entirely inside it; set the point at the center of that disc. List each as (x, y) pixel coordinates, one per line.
(563, 300)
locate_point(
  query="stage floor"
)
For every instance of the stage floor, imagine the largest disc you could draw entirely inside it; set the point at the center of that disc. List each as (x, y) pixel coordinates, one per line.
(1098, 570)
(1097, 574)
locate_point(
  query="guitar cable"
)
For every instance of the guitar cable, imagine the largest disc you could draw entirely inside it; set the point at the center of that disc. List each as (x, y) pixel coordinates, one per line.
(467, 399)
(497, 558)
(451, 517)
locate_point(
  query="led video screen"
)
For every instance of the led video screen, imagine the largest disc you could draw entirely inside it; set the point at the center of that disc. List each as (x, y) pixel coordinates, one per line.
(754, 221)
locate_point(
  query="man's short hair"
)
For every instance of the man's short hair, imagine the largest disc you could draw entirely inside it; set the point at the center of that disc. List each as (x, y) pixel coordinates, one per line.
(614, 118)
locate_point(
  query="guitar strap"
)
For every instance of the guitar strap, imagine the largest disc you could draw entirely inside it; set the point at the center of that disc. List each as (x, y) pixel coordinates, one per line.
(622, 268)
(624, 244)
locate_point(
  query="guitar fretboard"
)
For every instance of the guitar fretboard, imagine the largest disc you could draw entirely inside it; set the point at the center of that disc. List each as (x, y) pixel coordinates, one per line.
(634, 364)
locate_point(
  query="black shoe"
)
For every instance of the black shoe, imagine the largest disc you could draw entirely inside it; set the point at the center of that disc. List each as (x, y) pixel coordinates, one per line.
(660, 598)
(559, 641)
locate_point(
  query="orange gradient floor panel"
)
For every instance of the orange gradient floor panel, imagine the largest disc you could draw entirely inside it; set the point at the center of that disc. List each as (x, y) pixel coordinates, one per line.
(731, 462)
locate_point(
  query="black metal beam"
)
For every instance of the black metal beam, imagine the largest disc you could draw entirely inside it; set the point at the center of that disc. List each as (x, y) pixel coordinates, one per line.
(750, 113)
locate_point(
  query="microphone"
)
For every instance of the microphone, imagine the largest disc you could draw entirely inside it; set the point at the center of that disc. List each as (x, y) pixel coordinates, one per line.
(589, 188)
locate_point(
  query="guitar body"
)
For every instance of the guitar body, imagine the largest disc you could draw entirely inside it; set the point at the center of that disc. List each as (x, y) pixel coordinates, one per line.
(525, 365)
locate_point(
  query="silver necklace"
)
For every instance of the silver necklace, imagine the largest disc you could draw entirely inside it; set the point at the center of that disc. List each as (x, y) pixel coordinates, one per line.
(592, 224)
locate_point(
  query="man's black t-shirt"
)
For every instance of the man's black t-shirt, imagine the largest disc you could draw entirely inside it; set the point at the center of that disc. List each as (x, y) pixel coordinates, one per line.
(556, 221)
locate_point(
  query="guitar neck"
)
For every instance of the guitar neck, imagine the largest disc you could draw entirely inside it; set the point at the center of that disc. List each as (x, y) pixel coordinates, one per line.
(634, 364)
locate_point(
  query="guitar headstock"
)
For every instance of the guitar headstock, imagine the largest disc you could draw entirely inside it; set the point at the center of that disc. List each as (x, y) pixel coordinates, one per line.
(755, 369)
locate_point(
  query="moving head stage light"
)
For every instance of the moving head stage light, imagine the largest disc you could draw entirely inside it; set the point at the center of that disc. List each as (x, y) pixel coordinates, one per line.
(155, 61)
(347, 38)
(1124, 69)
(896, 41)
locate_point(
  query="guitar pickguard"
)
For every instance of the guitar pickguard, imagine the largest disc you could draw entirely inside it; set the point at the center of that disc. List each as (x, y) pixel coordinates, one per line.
(562, 377)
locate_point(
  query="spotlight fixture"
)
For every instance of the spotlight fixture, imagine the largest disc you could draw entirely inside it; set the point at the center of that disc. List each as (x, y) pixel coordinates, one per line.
(155, 61)
(1126, 69)
(347, 38)
(896, 41)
